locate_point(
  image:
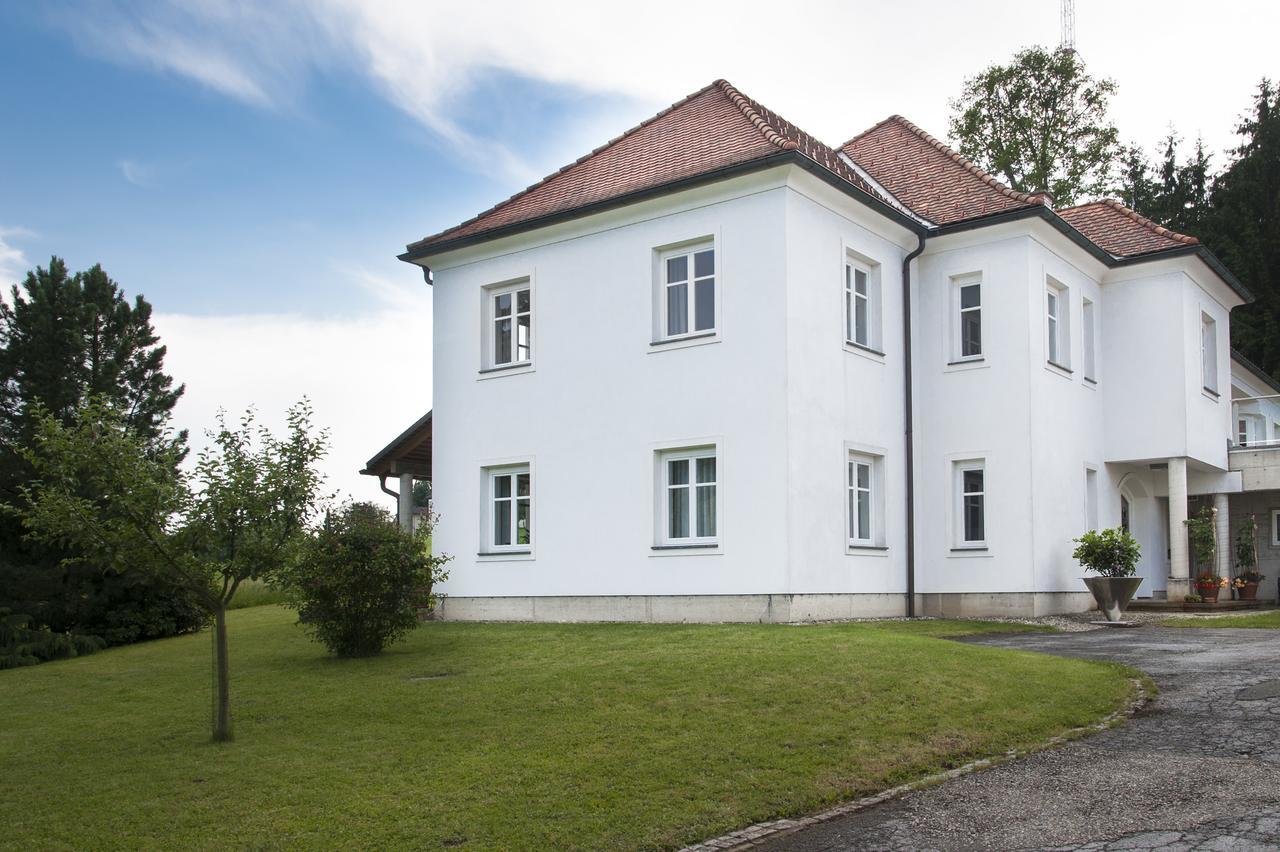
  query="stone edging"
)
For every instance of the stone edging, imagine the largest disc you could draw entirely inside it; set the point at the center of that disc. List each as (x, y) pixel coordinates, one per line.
(761, 832)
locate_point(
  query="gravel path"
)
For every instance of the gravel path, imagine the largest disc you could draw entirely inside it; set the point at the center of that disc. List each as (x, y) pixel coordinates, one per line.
(1199, 768)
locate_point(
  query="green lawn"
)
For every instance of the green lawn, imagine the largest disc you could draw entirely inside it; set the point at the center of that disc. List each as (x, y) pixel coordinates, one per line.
(255, 593)
(510, 736)
(1257, 619)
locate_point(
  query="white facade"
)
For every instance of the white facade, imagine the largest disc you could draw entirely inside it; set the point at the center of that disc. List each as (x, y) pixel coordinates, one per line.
(1085, 377)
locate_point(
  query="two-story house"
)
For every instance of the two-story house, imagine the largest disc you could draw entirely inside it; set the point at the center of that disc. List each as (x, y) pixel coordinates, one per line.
(718, 370)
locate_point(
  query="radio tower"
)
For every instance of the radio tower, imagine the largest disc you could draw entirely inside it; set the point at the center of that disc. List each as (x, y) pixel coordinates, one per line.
(1068, 26)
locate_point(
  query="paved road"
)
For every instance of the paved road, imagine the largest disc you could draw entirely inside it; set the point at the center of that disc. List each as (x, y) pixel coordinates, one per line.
(1199, 768)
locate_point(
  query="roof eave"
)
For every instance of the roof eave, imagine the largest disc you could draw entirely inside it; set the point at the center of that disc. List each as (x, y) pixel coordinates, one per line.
(381, 456)
(420, 251)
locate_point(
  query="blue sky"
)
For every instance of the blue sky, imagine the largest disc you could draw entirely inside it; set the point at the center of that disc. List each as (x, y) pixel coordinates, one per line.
(253, 168)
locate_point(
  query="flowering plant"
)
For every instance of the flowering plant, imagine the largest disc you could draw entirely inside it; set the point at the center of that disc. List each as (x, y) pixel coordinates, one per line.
(1210, 580)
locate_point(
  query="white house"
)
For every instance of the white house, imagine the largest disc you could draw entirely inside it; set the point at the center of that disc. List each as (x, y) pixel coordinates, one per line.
(717, 370)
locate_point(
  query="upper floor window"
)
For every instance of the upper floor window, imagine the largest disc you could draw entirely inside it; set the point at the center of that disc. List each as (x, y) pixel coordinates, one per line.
(508, 325)
(971, 503)
(510, 520)
(688, 292)
(1089, 335)
(688, 483)
(861, 305)
(1057, 338)
(967, 311)
(1209, 353)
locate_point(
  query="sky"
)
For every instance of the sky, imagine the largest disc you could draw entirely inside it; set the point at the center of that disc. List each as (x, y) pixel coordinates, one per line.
(253, 168)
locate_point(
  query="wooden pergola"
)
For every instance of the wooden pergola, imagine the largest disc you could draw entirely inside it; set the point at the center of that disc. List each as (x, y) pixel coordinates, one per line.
(407, 458)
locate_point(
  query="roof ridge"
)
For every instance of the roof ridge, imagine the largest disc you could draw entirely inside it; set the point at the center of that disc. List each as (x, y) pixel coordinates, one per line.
(962, 161)
(1149, 224)
(753, 112)
(650, 120)
(881, 123)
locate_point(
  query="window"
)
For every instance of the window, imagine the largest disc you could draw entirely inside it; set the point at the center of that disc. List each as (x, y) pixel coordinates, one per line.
(1209, 353)
(967, 300)
(1090, 498)
(688, 497)
(1249, 429)
(688, 293)
(971, 503)
(1057, 301)
(510, 509)
(861, 305)
(1090, 346)
(508, 325)
(1275, 527)
(1126, 514)
(862, 513)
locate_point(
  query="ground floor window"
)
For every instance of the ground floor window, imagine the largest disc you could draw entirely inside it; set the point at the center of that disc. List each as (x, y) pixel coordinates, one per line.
(864, 487)
(510, 520)
(1275, 527)
(970, 512)
(687, 488)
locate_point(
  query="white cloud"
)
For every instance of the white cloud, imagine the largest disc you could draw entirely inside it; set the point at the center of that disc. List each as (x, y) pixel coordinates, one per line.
(137, 173)
(13, 262)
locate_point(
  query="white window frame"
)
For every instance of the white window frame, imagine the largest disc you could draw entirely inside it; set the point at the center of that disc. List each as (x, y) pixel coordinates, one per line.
(958, 503)
(1091, 521)
(873, 537)
(1089, 332)
(869, 302)
(490, 525)
(489, 336)
(662, 285)
(664, 488)
(1209, 353)
(1057, 326)
(1275, 527)
(958, 284)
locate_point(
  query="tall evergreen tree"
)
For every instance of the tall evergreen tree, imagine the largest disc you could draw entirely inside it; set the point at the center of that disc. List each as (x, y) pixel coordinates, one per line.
(1137, 188)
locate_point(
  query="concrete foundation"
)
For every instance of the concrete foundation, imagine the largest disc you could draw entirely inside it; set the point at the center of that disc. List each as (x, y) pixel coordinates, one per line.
(757, 609)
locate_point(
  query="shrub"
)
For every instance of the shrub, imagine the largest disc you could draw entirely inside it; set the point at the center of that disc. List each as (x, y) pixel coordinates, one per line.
(1202, 536)
(23, 645)
(1111, 552)
(360, 580)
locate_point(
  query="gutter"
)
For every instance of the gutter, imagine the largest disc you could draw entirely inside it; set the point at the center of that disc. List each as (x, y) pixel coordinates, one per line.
(909, 434)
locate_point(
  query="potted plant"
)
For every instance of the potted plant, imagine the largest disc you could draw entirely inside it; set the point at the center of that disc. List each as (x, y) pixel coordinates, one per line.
(1112, 554)
(1247, 576)
(1208, 585)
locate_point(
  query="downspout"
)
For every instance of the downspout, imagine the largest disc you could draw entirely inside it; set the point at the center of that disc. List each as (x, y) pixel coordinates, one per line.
(382, 483)
(910, 430)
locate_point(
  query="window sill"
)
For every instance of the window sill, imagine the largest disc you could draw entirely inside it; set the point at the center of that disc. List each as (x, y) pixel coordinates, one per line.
(505, 555)
(866, 550)
(505, 370)
(969, 552)
(1211, 394)
(708, 546)
(865, 351)
(976, 363)
(1090, 382)
(700, 338)
(1061, 369)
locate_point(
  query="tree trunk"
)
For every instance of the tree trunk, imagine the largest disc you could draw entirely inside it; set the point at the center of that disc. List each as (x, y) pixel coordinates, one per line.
(222, 677)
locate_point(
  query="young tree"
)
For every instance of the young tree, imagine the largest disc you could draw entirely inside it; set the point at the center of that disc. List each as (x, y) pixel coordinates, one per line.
(1040, 123)
(103, 488)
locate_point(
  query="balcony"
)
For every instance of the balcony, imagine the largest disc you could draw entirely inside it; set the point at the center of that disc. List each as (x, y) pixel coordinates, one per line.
(1255, 440)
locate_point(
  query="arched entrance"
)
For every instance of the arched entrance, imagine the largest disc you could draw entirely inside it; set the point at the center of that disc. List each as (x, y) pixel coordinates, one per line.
(1141, 514)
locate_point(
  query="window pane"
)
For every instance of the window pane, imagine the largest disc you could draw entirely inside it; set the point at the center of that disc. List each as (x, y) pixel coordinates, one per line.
(1053, 304)
(524, 529)
(864, 476)
(677, 269)
(1053, 339)
(848, 315)
(972, 481)
(973, 521)
(524, 337)
(502, 522)
(971, 296)
(502, 305)
(706, 470)
(864, 515)
(704, 263)
(522, 485)
(706, 511)
(502, 342)
(678, 512)
(502, 486)
(860, 282)
(971, 333)
(678, 472)
(861, 309)
(678, 309)
(522, 301)
(704, 304)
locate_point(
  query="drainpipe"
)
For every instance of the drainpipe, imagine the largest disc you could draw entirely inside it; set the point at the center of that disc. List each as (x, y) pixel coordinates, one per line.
(910, 430)
(382, 481)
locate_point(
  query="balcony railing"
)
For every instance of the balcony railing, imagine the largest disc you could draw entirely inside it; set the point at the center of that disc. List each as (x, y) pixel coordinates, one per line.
(1255, 422)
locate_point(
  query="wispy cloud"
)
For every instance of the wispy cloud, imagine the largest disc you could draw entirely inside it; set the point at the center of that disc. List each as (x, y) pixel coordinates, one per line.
(138, 173)
(13, 262)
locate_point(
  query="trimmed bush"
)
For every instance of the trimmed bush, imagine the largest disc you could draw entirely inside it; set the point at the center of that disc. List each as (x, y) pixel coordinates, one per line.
(360, 581)
(1111, 552)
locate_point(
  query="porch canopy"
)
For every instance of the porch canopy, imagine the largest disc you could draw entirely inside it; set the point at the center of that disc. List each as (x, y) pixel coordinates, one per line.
(407, 458)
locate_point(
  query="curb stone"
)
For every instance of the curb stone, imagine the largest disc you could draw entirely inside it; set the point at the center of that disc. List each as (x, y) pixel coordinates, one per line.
(761, 832)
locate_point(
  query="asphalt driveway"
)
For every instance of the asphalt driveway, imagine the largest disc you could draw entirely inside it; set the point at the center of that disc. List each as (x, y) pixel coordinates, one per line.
(1198, 768)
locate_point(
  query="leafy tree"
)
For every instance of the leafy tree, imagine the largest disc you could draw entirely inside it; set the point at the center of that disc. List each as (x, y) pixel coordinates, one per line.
(361, 580)
(105, 489)
(422, 493)
(63, 339)
(1040, 123)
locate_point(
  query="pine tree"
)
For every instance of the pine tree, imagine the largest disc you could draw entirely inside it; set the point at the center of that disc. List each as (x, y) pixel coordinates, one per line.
(1137, 188)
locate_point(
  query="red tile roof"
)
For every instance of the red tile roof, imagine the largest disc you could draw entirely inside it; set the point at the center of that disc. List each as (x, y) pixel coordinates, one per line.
(928, 177)
(714, 128)
(1120, 231)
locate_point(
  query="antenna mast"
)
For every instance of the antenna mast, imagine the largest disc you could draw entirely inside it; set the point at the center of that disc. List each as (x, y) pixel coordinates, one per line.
(1068, 26)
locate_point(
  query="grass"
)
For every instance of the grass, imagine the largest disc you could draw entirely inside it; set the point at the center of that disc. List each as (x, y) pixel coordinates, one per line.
(511, 736)
(1270, 620)
(255, 593)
